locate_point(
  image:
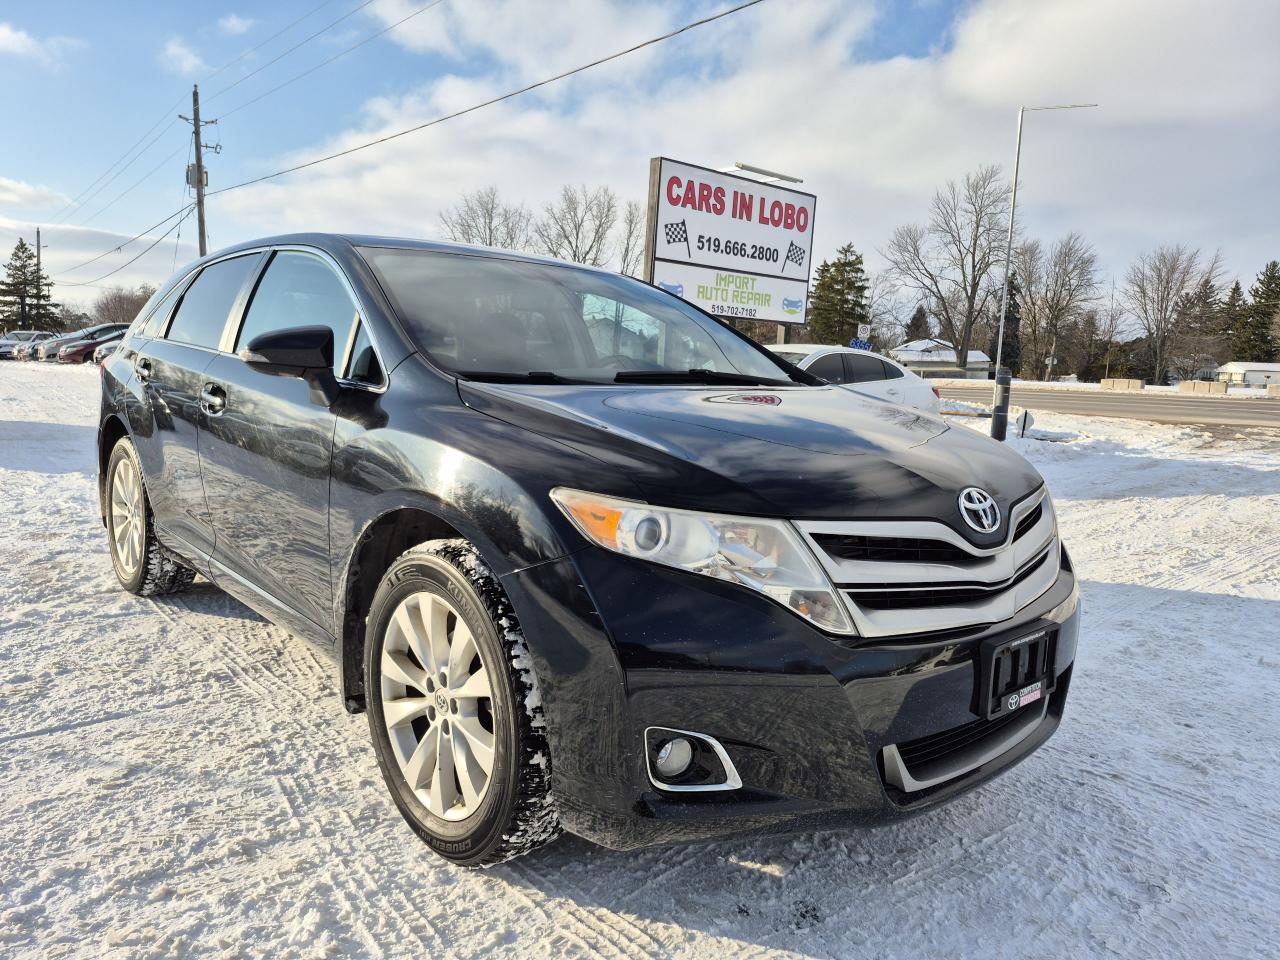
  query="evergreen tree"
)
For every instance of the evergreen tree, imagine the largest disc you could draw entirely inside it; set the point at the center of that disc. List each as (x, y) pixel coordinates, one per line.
(1011, 354)
(918, 327)
(1231, 314)
(1256, 338)
(839, 299)
(24, 296)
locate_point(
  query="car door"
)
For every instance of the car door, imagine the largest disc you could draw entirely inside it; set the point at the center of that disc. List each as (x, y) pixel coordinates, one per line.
(169, 369)
(266, 447)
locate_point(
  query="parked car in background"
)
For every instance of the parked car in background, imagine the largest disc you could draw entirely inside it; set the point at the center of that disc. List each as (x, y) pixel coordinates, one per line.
(588, 557)
(14, 339)
(863, 371)
(27, 349)
(48, 350)
(82, 351)
(106, 350)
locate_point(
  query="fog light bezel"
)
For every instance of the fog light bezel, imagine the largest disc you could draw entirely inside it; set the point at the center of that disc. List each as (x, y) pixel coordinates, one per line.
(654, 737)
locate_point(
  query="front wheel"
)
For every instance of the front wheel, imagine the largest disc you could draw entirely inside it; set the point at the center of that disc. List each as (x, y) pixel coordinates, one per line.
(453, 708)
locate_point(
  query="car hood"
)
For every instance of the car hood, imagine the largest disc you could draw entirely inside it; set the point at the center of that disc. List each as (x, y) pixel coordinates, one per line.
(802, 452)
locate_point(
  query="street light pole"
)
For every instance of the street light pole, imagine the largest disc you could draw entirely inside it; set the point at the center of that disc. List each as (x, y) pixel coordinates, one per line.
(1008, 244)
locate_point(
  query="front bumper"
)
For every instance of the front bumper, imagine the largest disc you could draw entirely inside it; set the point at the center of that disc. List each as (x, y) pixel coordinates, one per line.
(621, 645)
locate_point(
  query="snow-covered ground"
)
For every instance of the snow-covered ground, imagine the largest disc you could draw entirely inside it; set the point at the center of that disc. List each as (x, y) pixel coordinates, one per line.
(178, 778)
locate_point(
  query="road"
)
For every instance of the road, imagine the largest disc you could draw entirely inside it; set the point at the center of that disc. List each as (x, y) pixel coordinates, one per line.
(1157, 407)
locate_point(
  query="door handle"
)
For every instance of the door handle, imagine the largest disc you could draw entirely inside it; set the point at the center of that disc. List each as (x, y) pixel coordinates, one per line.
(142, 367)
(213, 399)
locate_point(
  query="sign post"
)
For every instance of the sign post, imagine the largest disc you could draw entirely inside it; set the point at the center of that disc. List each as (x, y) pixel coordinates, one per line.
(735, 247)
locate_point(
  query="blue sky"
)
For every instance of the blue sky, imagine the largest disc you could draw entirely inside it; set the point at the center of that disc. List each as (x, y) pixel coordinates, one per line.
(874, 104)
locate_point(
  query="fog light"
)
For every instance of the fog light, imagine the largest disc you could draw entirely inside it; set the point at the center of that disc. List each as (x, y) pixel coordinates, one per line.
(674, 758)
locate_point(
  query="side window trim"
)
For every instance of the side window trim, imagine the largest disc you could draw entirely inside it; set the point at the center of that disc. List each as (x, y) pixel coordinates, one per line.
(240, 308)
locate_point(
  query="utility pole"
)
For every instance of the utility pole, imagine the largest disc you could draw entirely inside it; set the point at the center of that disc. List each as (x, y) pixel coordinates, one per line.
(196, 176)
(39, 279)
(195, 125)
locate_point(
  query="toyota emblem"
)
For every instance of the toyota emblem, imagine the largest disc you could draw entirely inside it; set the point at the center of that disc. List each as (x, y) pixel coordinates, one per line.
(979, 510)
(1013, 701)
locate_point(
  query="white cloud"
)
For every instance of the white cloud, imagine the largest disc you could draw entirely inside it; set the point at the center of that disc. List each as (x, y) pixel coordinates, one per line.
(234, 25)
(1180, 150)
(67, 246)
(16, 193)
(180, 58)
(19, 43)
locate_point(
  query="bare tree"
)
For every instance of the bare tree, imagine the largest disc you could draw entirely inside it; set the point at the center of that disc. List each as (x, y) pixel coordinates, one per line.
(482, 218)
(1155, 287)
(577, 225)
(631, 241)
(886, 310)
(121, 305)
(1058, 285)
(949, 260)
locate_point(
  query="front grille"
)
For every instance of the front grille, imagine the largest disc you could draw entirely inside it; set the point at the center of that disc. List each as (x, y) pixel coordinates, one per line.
(894, 549)
(936, 746)
(920, 577)
(1029, 521)
(950, 595)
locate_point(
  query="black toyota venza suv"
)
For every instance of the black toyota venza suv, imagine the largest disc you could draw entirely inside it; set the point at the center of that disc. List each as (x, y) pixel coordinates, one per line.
(589, 558)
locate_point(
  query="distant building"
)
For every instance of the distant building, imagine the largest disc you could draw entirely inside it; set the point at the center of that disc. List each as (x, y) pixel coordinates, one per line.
(1248, 373)
(936, 358)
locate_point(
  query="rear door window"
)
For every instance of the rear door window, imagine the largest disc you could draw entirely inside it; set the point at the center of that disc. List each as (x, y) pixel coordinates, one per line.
(202, 314)
(862, 368)
(892, 371)
(830, 368)
(299, 290)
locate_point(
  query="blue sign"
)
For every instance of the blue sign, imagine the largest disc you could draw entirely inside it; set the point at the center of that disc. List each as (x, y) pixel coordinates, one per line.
(859, 344)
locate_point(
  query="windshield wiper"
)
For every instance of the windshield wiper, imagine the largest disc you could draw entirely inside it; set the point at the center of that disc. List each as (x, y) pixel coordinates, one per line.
(506, 376)
(698, 375)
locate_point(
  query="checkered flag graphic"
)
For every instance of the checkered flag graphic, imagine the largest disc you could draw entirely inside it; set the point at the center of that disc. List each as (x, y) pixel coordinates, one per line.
(678, 233)
(795, 255)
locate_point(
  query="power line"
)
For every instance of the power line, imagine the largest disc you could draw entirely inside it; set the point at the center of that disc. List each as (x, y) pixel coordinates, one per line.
(120, 246)
(153, 245)
(263, 43)
(281, 56)
(137, 183)
(87, 196)
(325, 63)
(488, 103)
(76, 202)
(186, 211)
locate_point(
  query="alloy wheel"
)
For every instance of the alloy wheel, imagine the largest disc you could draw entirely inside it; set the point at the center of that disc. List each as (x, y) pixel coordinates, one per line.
(128, 515)
(437, 706)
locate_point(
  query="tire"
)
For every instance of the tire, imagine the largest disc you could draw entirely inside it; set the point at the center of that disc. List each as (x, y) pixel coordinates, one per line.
(442, 592)
(141, 564)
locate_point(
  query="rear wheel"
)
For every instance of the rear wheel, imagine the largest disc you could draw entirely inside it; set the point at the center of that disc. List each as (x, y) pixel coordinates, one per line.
(453, 710)
(142, 566)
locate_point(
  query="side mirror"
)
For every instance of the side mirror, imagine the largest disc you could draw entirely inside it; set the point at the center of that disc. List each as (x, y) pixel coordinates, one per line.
(302, 352)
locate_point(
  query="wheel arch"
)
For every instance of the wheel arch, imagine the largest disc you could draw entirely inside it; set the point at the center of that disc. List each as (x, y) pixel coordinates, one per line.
(110, 433)
(382, 541)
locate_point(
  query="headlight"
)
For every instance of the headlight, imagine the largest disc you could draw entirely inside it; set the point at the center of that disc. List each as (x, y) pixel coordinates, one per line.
(767, 556)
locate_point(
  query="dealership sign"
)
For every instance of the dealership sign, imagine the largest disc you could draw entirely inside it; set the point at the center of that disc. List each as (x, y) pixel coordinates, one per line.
(734, 246)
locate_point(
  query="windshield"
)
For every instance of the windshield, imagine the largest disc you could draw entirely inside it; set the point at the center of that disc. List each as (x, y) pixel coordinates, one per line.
(790, 356)
(500, 319)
